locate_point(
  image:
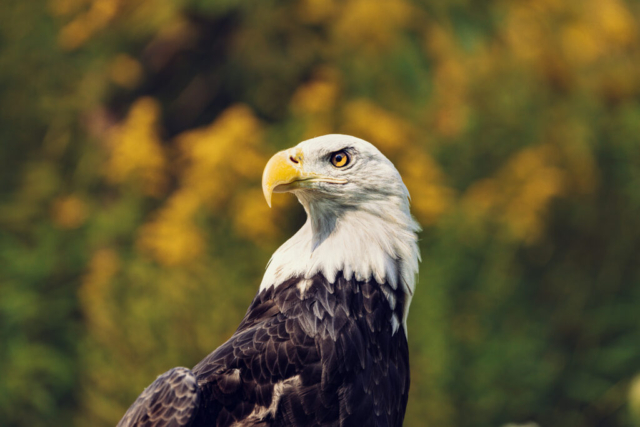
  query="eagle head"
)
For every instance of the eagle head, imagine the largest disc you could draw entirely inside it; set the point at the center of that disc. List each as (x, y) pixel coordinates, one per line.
(338, 170)
(359, 223)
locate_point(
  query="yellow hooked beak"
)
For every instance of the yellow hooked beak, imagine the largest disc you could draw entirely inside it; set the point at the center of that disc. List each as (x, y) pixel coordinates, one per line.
(287, 167)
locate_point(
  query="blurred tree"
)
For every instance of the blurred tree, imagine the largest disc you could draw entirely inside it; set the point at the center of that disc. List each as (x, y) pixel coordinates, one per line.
(133, 234)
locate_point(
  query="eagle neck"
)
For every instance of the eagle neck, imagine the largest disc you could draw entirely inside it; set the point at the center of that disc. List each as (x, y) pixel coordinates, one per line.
(368, 243)
(323, 219)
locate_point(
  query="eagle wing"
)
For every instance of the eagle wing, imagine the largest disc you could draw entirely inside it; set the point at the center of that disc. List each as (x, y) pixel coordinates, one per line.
(322, 356)
(171, 400)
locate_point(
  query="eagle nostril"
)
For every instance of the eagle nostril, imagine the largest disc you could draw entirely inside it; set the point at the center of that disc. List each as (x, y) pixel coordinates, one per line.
(293, 159)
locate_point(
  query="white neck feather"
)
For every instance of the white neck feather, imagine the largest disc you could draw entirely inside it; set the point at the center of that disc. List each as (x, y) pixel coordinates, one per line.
(376, 241)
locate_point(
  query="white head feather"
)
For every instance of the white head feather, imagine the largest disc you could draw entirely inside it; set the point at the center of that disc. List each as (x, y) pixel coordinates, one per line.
(362, 228)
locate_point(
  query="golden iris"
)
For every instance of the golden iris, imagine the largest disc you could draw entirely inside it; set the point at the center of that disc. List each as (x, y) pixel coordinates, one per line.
(340, 159)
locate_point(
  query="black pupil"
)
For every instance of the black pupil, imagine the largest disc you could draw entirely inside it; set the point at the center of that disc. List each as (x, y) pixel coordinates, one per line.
(338, 158)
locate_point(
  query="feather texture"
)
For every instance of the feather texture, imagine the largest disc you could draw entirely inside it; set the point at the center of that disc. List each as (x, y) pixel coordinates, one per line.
(171, 400)
(321, 356)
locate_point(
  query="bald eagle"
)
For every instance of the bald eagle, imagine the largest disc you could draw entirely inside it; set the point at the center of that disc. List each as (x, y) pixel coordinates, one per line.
(324, 342)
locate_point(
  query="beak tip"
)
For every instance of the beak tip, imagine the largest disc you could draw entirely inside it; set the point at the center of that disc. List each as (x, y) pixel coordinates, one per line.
(279, 170)
(267, 196)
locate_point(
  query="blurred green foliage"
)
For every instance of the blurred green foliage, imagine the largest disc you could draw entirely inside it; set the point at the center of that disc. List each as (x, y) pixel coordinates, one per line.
(133, 233)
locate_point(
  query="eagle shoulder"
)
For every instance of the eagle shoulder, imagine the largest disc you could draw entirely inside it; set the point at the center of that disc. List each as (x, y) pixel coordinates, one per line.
(171, 400)
(321, 354)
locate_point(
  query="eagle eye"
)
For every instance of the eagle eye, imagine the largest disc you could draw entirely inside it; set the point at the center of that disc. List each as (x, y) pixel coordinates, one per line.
(340, 159)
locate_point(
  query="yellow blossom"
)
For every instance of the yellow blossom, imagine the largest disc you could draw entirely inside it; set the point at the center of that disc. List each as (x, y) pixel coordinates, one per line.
(74, 34)
(319, 95)
(450, 83)
(520, 193)
(525, 213)
(615, 20)
(95, 291)
(371, 25)
(69, 212)
(65, 7)
(481, 197)
(317, 125)
(599, 28)
(634, 398)
(451, 114)
(171, 242)
(430, 198)
(171, 237)
(316, 11)
(125, 71)
(388, 132)
(525, 32)
(572, 140)
(253, 219)
(136, 149)
(217, 161)
(80, 29)
(580, 43)
(217, 155)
